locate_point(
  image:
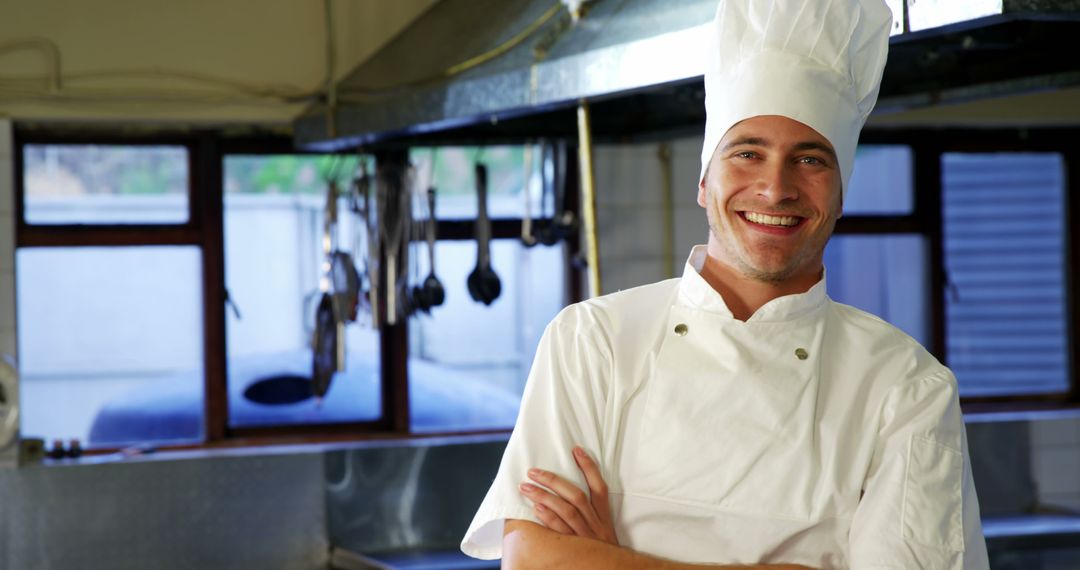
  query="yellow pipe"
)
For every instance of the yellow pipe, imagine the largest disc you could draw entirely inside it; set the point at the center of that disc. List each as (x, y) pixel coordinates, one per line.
(664, 154)
(505, 46)
(588, 198)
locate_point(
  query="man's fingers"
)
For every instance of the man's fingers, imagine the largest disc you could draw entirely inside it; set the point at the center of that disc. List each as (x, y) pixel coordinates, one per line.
(564, 507)
(593, 478)
(566, 499)
(598, 491)
(568, 513)
(550, 519)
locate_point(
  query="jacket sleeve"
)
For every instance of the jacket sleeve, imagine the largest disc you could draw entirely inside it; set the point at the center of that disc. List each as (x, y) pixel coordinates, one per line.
(561, 407)
(919, 508)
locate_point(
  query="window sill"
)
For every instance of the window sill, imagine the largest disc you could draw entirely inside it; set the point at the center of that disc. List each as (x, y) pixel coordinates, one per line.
(1018, 411)
(139, 454)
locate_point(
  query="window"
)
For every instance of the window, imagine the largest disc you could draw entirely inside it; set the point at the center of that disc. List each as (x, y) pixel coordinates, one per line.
(885, 275)
(469, 361)
(989, 225)
(450, 171)
(873, 267)
(123, 260)
(1004, 231)
(110, 293)
(169, 300)
(881, 182)
(99, 326)
(105, 184)
(273, 210)
(474, 356)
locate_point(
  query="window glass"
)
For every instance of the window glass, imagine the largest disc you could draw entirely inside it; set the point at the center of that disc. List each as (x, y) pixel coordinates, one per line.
(454, 179)
(101, 184)
(273, 265)
(1004, 233)
(110, 343)
(884, 275)
(468, 362)
(881, 182)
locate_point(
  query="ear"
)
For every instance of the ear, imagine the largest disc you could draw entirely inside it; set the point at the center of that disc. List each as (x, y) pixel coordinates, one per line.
(702, 194)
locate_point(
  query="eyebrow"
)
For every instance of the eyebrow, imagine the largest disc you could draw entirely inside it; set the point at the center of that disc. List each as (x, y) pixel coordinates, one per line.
(751, 141)
(813, 145)
(758, 141)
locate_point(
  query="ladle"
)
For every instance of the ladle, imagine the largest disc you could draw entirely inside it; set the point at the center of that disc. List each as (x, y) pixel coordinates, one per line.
(484, 284)
(434, 294)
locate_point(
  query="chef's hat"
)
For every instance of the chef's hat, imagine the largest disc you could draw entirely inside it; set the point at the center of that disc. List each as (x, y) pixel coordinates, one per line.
(818, 62)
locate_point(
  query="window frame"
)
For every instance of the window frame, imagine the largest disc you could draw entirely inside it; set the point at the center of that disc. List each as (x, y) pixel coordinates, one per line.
(202, 230)
(929, 145)
(208, 149)
(207, 152)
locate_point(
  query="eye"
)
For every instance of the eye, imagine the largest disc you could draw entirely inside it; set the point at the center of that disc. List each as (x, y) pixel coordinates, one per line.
(812, 160)
(746, 154)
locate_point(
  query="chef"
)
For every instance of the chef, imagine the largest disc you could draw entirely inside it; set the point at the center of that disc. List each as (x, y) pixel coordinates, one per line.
(737, 415)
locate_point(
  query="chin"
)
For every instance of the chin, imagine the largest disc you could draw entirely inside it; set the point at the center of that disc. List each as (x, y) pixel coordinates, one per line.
(775, 271)
(770, 276)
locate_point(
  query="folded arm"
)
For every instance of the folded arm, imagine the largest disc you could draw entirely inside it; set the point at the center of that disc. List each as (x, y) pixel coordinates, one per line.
(578, 530)
(527, 545)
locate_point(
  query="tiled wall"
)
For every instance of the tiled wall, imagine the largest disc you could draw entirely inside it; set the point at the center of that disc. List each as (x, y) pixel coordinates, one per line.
(1055, 461)
(630, 212)
(212, 513)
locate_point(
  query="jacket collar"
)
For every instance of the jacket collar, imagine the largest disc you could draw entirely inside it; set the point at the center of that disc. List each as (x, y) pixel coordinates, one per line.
(696, 293)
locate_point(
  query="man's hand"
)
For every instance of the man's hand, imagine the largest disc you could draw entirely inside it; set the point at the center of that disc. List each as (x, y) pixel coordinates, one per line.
(571, 518)
(566, 509)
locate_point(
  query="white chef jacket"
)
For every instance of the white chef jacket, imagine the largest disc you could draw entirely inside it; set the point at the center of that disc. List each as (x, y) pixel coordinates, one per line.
(812, 433)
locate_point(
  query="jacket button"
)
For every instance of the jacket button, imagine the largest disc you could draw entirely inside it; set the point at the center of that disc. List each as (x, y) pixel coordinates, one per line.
(681, 329)
(801, 354)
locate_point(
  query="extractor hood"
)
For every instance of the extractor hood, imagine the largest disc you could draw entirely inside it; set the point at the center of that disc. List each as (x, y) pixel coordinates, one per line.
(472, 71)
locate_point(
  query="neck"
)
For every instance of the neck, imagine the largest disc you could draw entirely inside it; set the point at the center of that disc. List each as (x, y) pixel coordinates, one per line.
(743, 295)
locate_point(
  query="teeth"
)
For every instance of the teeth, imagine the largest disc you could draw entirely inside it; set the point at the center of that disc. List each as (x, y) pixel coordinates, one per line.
(757, 218)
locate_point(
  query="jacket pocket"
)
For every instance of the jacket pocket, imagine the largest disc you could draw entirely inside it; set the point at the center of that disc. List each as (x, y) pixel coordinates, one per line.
(933, 506)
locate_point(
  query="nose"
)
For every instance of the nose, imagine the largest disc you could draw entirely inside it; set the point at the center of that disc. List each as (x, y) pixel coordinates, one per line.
(776, 184)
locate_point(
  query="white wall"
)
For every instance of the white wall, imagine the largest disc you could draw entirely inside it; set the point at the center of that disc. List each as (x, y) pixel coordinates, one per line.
(630, 212)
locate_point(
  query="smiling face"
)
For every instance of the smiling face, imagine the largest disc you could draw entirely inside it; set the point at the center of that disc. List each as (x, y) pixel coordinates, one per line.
(772, 196)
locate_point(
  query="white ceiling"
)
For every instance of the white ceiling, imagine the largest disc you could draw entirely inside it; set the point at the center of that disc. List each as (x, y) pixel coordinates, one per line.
(187, 61)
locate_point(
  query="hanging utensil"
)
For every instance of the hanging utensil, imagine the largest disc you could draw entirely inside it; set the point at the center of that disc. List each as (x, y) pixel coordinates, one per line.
(413, 298)
(345, 282)
(327, 348)
(363, 240)
(372, 264)
(527, 237)
(564, 223)
(342, 279)
(545, 233)
(340, 273)
(327, 344)
(393, 209)
(484, 284)
(434, 293)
